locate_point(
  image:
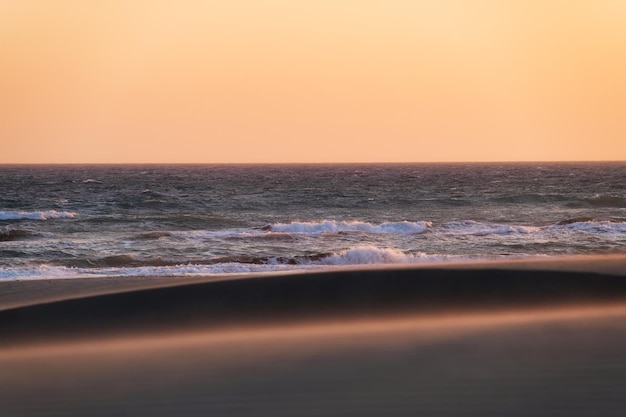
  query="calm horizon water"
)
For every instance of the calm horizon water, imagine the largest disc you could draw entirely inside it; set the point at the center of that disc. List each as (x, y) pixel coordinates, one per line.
(122, 220)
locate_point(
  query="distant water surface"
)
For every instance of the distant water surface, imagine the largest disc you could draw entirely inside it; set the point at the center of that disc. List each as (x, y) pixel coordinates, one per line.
(60, 221)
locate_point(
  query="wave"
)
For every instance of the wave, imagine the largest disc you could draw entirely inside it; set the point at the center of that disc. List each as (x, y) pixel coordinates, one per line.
(318, 228)
(579, 224)
(129, 265)
(8, 234)
(290, 231)
(600, 200)
(363, 255)
(598, 227)
(51, 271)
(287, 231)
(607, 201)
(36, 215)
(575, 220)
(529, 198)
(152, 235)
(127, 260)
(372, 255)
(471, 227)
(133, 261)
(462, 227)
(224, 234)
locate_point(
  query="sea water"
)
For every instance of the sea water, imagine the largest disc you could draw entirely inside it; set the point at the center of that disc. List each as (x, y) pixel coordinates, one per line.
(95, 220)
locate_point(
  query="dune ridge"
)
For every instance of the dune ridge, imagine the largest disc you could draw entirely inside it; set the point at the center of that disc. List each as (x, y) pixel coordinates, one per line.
(315, 296)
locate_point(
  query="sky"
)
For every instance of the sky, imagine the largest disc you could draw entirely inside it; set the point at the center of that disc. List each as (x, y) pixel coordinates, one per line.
(242, 81)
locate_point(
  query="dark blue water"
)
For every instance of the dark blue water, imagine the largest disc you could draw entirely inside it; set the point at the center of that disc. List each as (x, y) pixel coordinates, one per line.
(213, 219)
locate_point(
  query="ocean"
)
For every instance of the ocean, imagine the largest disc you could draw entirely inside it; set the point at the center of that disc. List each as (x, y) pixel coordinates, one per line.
(63, 221)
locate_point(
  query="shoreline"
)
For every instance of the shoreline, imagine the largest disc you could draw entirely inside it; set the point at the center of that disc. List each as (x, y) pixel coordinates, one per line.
(23, 292)
(101, 307)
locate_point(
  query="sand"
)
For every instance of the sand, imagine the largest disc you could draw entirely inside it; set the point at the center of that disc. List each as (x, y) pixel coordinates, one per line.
(507, 338)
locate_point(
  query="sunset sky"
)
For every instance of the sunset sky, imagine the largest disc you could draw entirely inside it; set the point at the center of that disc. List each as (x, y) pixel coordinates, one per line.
(312, 80)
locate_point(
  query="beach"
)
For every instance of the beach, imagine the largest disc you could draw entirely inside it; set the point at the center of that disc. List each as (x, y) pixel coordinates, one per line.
(312, 208)
(538, 337)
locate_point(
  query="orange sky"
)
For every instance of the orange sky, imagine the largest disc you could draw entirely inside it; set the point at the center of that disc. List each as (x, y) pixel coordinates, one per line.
(312, 80)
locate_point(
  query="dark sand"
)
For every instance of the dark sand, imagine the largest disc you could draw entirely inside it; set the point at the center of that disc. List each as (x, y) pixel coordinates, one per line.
(514, 338)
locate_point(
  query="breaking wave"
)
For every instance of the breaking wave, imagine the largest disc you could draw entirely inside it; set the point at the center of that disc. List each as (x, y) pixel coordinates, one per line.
(317, 228)
(580, 224)
(372, 255)
(36, 215)
(361, 255)
(289, 231)
(128, 265)
(598, 227)
(470, 227)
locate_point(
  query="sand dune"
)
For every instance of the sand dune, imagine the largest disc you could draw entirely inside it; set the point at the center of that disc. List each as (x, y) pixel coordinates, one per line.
(521, 338)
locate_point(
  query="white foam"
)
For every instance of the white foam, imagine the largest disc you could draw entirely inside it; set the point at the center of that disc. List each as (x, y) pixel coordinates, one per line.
(218, 234)
(601, 227)
(473, 228)
(318, 228)
(47, 272)
(372, 255)
(307, 228)
(36, 215)
(459, 228)
(41, 272)
(364, 255)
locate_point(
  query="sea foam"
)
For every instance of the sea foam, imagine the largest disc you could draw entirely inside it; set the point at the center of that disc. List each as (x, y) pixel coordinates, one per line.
(470, 227)
(362, 255)
(372, 255)
(36, 215)
(317, 228)
(597, 227)
(48, 271)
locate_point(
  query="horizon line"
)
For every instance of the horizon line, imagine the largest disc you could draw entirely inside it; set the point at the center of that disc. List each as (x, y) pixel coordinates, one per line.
(320, 162)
